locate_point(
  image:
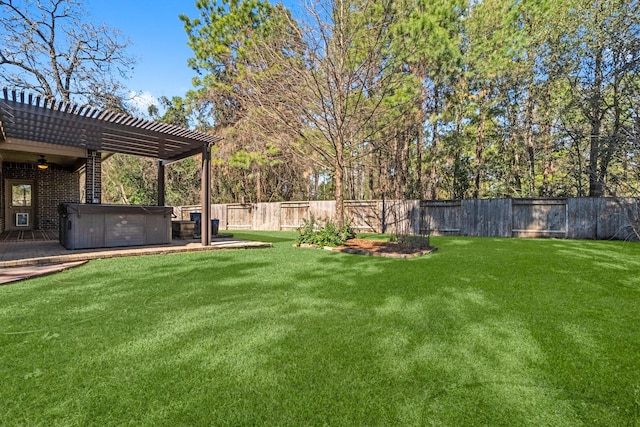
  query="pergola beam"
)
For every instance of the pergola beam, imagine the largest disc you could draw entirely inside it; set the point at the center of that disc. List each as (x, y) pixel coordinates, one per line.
(59, 123)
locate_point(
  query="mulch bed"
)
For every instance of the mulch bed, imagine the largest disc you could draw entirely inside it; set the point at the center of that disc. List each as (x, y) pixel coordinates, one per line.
(379, 248)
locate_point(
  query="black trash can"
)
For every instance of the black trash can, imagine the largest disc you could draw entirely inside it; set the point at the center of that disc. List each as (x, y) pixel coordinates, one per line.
(196, 216)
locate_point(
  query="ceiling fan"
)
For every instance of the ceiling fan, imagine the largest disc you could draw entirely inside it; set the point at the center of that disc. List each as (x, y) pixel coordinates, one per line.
(42, 163)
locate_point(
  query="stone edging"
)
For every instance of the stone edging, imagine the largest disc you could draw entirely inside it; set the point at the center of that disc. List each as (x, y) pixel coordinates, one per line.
(366, 252)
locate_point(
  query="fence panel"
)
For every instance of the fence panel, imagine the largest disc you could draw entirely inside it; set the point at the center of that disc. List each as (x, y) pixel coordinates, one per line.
(399, 216)
(293, 214)
(266, 216)
(582, 213)
(441, 217)
(219, 212)
(539, 218)
(614, 217)
(240, 217)
(322, 210)
(363, 216)
(486, 217)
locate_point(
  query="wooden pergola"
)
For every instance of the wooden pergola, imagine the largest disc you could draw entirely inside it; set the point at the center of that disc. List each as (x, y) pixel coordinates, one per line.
(32, 124)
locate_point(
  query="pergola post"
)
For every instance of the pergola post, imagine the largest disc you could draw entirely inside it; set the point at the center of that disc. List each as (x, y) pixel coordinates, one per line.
(205, 196)
(93, 177)
(161, 184)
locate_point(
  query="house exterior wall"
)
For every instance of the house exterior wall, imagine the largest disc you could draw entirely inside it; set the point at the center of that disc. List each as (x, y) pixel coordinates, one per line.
(53, 186)
(1, 197)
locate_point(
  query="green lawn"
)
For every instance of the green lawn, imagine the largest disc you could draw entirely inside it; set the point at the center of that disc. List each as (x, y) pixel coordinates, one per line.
(482, 332)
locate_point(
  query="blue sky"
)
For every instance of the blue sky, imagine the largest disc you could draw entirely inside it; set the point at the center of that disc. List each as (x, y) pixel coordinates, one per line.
(158, 42)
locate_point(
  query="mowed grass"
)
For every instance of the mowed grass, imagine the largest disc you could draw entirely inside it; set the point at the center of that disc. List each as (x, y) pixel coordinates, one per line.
(482, 332)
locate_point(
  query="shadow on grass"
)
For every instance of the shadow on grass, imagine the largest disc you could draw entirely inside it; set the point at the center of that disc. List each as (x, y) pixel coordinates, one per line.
(268, 237)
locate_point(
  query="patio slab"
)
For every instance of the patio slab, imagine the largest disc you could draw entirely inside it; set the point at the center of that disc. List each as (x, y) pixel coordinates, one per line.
(14, 274)
(43, 253)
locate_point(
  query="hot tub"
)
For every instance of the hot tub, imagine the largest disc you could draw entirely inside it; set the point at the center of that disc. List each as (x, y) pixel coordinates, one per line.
(84, 226)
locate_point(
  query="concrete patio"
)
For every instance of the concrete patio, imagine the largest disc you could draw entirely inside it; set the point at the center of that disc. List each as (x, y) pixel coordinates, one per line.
(24, 259)
(23, 253)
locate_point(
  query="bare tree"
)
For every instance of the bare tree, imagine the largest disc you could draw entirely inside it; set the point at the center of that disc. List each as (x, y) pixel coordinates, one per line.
(48, 47)
(332, 80)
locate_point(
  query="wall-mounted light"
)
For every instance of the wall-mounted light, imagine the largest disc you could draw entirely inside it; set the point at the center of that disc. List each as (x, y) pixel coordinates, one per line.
(42, 163)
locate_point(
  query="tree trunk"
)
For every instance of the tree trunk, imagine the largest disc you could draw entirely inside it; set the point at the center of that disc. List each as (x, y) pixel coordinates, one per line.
(339, 183)
(419, 138)
(596, 188)
(530, 141)
(515, 180)
(258, 185)
(397, 165)
(545, 190)
(371, 177)
(456, 186)
(615, 136)
(435, 148)
(479, 151)
(433, 174)
(403, 166)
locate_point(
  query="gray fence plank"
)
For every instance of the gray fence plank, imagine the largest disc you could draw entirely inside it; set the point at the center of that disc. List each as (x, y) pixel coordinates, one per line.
(292, 215)
(441, 217)
(322, 210)
(613, 219)
(539, 218)
(582, 218)
(266, 216)
(363, 215)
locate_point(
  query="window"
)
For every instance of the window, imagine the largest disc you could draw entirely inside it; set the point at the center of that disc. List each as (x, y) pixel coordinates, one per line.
(21, 195)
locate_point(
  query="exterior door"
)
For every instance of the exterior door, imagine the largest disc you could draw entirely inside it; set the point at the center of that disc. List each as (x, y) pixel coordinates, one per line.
(20, 204)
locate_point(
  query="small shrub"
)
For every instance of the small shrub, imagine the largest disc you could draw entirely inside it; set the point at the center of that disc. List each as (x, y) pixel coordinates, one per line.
(403, 216)
(413, 241)
(307, 232)
(313, 233)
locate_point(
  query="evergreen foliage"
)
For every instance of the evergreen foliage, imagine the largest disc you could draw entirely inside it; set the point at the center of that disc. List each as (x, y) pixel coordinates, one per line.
(393, 99)
(423, 98)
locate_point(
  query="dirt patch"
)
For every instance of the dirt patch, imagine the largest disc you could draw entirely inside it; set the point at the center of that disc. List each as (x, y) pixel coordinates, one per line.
(379, 248)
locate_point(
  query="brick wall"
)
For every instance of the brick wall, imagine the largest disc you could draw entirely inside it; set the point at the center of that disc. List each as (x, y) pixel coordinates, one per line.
(53, 186)
(1, 198)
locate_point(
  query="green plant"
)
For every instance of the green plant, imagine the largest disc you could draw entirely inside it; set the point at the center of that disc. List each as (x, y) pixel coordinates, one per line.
(311, 232)
(307, 232)
(413, 240)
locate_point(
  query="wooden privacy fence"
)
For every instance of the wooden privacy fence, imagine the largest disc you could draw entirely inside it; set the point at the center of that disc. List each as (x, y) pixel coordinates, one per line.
(573, 218)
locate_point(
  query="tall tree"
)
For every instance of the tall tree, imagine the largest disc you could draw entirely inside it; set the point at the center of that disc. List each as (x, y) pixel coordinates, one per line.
(49, 47)
(338, 74)
(421, 98)
(324, 82)
(600, 57)
(255, 162)
(428, 35)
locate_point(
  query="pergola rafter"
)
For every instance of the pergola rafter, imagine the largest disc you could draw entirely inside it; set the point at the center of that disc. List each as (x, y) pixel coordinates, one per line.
(45, 120)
